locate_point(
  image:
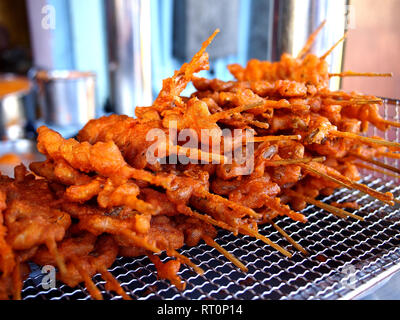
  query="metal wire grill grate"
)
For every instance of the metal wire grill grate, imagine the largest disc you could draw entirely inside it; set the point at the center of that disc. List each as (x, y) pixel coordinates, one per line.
(346, 256)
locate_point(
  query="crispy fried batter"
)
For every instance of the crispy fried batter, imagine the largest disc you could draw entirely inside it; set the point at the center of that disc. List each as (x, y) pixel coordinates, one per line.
(305, 137)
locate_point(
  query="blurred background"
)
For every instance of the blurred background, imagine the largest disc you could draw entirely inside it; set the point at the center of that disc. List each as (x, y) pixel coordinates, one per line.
(63, 62)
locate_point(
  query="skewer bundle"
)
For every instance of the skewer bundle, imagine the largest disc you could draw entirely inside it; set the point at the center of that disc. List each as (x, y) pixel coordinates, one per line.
(99, 196)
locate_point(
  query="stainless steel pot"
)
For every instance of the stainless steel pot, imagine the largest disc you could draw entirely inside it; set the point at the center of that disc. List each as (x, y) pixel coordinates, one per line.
(129, 54)
(66, 98)
(16, 107)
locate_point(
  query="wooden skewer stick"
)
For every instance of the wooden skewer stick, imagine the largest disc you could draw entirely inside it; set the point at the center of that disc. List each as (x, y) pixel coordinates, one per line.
(16, 281)
(255, 234)
(274, 163)
(51, 245)
(280, 104)
(388, 155)
(91, 287)
(185, 260)
(332, 209)
(368, 167)
(113, 284)
(289, 238)
(256, 123)
(224, 114)
(311, 40)
(329, 101)
(242, 229)
(208, 219)
(201, 192)
(198, 154)
(266, 104)
(271, 138)
(334, 46)
(204, 46)
(225, 253)
(384, 197)
(230, 204)
(191, 153)
(346, 95)
(375, 162)
(391, 123)
(347, 183)
(326, 176)
(140, 242)
(355, 136)
(274, 204)
(360, 74)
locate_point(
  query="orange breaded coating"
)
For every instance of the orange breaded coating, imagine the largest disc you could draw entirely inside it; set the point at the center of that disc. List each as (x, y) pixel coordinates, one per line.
(99, 196)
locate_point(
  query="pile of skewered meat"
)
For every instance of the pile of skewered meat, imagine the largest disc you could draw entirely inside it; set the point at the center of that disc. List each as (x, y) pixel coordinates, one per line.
(98, 197)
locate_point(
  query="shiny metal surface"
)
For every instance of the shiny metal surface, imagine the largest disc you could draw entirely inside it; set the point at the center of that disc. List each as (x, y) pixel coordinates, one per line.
(388, 289)
(66, 98)
(129, 45)
(348, 258)
(15, 112)
(295, 20)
